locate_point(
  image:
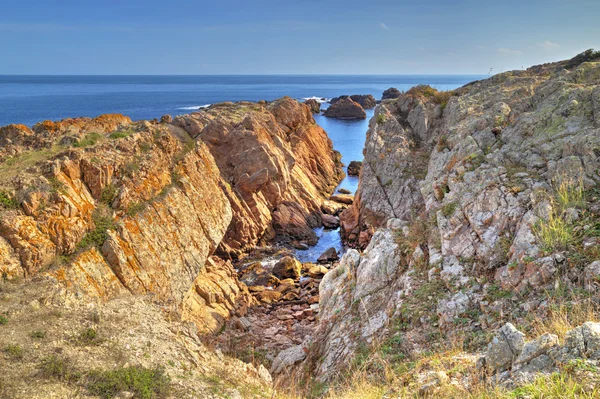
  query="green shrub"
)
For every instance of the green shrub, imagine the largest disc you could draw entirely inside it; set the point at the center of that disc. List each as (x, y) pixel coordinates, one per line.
(118, 135)
(381, 118)
(7, 200)
(108, 195)
(38, 334)
(95, 238)
(56, 186)
(87, 336)
(132, 167)
(3, 320)
(142, 382)
(135, 207)
(89, 140)
(449, 209)
(145, 146)
(428, 92)
(14, 351)
(57, 367)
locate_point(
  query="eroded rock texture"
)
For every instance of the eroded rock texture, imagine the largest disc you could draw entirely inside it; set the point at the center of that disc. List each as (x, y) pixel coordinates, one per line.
(452, 188)
(140, 208)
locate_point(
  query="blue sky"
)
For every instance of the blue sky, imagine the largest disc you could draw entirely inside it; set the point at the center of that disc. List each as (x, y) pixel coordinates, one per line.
(293, 37)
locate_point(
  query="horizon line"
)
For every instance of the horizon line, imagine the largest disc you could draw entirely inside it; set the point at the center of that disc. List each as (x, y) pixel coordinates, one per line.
(259, 74)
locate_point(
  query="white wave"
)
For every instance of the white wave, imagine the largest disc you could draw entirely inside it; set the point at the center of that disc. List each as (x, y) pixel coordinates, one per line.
(320, 100)
(195, 107)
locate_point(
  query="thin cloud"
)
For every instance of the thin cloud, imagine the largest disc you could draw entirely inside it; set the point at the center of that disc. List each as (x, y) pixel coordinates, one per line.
(509, 51)
(548, 45)
(384, 26)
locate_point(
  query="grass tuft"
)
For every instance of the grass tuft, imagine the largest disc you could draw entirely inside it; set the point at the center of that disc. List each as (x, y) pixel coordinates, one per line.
(142, 382)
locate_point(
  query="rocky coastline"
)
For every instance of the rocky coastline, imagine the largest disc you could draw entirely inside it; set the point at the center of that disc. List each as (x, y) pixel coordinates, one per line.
(472, 260)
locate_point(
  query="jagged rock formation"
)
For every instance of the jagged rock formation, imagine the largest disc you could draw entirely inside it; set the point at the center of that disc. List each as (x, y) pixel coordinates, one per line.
(365, 100)
(283, 164)
(142, 208)
(454, 193)
(345, 108)
(314, 105)
(354, 168)
(390, 93)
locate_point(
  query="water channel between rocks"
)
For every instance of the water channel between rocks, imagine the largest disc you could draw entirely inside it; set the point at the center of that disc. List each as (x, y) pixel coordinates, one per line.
(348, 137)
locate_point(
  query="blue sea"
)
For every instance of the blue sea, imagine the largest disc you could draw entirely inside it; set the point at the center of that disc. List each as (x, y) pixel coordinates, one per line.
(31, 99)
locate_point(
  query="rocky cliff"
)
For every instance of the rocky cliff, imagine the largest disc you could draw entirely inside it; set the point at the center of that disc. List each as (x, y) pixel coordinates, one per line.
(108, 207)
(475, 207)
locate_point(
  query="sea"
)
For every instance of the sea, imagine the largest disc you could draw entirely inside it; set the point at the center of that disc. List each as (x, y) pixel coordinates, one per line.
(28, 99)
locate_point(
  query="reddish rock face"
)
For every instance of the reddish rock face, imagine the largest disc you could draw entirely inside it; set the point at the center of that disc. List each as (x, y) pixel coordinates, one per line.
(346, 108)
(142, 210)
(278, 163)
(314, 105)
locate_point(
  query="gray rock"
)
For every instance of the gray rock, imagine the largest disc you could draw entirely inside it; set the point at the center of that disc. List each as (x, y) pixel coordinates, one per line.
(537, 347)
(505, 347)
(287, 358)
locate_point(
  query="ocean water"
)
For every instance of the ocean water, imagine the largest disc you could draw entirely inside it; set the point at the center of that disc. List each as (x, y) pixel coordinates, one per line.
(30, 99)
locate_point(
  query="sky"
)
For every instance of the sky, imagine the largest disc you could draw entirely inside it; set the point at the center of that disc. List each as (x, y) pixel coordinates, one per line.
(291, 37)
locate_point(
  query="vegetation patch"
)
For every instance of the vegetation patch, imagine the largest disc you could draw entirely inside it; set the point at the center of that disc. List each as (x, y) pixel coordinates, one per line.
(59, 368)
(7, 200)
(108, 194)
(89, 140)
(381, 118)
(38, 334)
(428, 92)
(449, 209)
(135, 207)
(103, 222)
(556, 231)
(15, 352)
(142, 382)
(87, 336)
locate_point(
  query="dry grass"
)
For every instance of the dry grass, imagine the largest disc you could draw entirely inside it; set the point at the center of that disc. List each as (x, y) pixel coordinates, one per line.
(555, 232)
(565, 312)
(16, 165)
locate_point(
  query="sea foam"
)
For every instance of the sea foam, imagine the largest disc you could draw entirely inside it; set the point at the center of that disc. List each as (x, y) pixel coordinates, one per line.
(320, 100)
(195, 107)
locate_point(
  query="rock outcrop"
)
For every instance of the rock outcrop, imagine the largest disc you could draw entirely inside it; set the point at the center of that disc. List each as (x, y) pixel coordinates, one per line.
(141, 207)
(283, 165)
(365, 100)
(390, 93)
(314, 105)
(345, 108)
(354, 168)
(455, 191)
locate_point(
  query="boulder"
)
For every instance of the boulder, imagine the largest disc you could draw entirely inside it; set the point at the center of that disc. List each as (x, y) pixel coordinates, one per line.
(536, 348)
(256, 275)
(317, 271)
(391, 93)
(287, 358)
(166, 119)
(331, 222)
(344, 191)
(287, 267)
(346, 109)
(343, 198)
(592, 276)
(314, 105)
(328, 256)
(354, 168)
(365, 100)
(505, 347)
(332, 207)
(269, 296)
